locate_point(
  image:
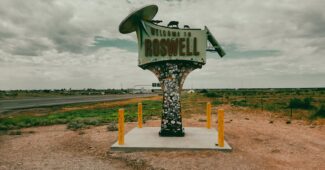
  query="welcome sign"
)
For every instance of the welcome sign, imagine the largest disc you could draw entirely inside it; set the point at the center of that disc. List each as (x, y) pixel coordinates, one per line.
(159, 43)
(171, 53)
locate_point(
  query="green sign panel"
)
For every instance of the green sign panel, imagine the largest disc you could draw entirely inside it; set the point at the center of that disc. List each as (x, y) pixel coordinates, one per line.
(159, 43)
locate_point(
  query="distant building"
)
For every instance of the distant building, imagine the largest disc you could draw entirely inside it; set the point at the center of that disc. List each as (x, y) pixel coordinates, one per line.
(140, 91)
(190, 91)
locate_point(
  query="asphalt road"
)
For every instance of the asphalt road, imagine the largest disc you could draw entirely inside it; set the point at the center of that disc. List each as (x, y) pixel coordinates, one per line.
(6, 105)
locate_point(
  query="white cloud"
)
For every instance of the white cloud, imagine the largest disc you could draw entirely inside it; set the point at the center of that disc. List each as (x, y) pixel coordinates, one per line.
(47, 44)
(106, 68)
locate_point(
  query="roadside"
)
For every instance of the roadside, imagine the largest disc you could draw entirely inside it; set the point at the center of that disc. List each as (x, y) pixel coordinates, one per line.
(12, 104)
(257, 143)
(79, 114)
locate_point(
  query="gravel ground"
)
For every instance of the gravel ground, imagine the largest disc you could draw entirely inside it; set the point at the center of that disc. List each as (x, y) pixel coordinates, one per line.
(257, 144)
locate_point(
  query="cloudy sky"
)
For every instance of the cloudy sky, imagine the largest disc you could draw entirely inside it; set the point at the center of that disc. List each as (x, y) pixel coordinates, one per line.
(76, 44)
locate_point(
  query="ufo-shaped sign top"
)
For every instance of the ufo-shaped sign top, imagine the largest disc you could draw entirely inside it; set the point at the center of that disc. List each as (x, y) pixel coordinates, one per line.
(130, 23)
(141, 19)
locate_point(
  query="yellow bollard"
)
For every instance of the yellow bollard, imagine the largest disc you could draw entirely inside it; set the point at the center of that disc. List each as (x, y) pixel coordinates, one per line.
(121, 126)
(139, 115)
(221, 127)
(208, 115)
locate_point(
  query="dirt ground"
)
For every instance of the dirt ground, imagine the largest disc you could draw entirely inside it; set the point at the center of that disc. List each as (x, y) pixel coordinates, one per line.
(257, 144)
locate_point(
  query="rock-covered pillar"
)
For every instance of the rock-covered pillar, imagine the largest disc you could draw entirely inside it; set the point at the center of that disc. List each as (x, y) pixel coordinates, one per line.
(171, 76)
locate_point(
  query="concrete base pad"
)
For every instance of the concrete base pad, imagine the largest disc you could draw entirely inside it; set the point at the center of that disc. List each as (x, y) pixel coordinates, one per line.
(147, 138)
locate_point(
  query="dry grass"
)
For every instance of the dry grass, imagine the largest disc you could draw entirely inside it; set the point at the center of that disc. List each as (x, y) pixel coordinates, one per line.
(109, 104)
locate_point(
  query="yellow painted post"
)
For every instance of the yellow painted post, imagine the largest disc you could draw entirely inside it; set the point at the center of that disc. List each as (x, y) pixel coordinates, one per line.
(121, 126)
(139, 115)
(208, 115)
(221, 127)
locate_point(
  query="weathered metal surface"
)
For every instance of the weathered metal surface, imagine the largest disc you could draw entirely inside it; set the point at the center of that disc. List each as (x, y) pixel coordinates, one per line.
(131, 22)
(214, 43)
(158, 43)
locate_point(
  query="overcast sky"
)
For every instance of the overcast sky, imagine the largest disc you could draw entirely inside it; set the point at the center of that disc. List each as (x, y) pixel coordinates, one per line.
(48, 44)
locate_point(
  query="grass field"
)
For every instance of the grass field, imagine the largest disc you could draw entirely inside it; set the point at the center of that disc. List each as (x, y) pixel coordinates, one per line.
(16, 94)
(80, 115)
(295, 103)
(305, 104)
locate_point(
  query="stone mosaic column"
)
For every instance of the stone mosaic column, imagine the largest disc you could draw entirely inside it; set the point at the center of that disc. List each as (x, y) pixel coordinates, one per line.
(171, 76)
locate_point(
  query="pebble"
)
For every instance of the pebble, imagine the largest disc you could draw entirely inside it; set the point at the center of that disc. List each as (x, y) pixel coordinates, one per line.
(171, 76)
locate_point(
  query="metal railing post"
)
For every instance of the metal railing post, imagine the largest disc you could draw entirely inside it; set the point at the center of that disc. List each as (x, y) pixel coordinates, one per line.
(139, 115)
(221, 127)
(121, 126)
(208, 110)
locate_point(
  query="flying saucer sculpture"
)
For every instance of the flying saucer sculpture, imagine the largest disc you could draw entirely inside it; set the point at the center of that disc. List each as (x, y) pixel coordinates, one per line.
(171, 54)
(131, 22)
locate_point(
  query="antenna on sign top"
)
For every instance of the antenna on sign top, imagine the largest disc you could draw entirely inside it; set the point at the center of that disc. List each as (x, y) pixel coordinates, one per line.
(213, 45)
